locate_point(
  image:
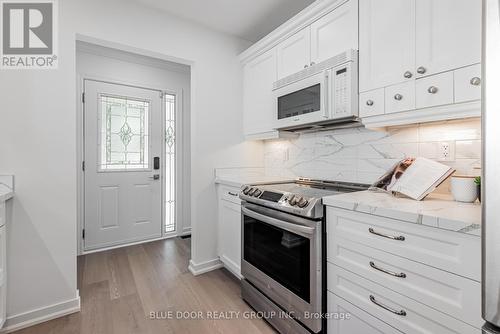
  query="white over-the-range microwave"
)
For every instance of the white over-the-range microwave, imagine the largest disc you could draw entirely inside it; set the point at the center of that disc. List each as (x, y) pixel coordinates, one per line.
(320, 94)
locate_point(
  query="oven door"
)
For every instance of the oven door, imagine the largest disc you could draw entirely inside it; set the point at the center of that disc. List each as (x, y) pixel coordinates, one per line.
(302, 102)
(281, 256)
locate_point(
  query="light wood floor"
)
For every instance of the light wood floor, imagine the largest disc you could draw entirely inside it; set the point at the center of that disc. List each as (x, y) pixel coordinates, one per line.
(119, 289)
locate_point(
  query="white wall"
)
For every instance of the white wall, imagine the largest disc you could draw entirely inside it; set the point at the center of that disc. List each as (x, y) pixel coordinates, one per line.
(38, 140)
(118, 66)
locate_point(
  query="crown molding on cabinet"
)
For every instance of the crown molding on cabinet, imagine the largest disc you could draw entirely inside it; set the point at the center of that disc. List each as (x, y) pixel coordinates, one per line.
(303, 19)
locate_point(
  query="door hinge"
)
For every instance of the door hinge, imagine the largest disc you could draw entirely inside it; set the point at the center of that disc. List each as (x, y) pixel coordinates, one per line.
(83, 234)
(83, 166)
(83, 97)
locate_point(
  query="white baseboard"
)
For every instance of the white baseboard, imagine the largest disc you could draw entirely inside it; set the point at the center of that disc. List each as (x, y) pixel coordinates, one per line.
(185, 231)
(37, 316)
(201, 268)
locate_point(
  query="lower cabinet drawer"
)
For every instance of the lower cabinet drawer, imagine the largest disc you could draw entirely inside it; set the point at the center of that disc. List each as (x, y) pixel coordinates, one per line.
(454, 295)
(398, 311)
(457, 253)
(345, 318)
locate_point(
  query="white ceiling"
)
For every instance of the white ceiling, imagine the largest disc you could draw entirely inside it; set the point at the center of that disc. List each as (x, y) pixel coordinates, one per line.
(247, 19)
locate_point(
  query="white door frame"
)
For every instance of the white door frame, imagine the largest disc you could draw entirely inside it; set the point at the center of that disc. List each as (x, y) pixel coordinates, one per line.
(179, 149)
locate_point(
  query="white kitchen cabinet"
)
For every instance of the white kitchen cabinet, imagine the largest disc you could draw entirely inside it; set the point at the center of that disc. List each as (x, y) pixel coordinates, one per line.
(386, 42)
(408, 315)
(400, 97)
(294, 53)
(371, 103)
(335, 32)
(258, 107)
(457, 253)
(229, 229)
(434, 90)
(448, 35)
(417, 279)
(359, 322)
(468, 83)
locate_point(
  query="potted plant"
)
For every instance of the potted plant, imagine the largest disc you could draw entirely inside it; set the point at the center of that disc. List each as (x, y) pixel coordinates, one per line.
(477, 181)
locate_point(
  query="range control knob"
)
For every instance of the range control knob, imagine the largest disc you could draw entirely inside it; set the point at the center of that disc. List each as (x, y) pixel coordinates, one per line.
(251, 191)
(293, 200)
(302, 202)
(257, 193)
(245, 189)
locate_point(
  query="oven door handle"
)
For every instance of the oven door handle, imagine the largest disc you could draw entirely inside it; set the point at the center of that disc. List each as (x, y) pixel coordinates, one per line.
(290, 227)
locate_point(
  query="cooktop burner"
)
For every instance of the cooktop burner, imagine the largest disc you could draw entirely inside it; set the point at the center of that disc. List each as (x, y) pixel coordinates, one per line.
(302, 197)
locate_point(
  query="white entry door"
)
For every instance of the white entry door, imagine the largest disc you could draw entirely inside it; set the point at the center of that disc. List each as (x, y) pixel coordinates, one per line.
(123, 145)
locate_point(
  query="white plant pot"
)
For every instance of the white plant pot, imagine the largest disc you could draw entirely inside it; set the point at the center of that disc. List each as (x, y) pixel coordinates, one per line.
(464, 189)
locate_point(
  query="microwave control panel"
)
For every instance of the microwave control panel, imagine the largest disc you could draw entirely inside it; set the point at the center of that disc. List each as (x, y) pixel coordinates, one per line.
(343, 91)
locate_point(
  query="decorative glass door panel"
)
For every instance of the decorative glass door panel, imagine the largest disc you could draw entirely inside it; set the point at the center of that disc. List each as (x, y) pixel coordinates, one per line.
(170, 109)
(124, 135)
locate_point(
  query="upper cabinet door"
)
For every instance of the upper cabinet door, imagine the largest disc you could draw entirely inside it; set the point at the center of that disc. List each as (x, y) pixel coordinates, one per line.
(448, 34)
(294, 53)
(386, 42)
(335, 32)
(258, 106)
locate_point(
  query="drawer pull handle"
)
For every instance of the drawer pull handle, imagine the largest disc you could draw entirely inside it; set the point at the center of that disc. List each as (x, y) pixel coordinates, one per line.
(374, 301)
(233, 194)
(475, 81)
(374, 266)
(399, 237)
(432, 90)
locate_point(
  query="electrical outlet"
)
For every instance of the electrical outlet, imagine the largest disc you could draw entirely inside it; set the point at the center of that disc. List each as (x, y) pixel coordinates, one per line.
(446, 151)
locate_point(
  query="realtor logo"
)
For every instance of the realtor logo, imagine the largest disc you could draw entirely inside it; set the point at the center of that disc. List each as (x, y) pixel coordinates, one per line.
(28, 34)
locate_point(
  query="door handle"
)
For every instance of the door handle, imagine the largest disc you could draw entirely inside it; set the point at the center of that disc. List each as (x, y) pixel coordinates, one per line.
(155, 177)
(156, 163)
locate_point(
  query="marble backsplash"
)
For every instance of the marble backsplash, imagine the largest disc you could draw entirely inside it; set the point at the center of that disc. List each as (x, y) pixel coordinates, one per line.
(362, 155)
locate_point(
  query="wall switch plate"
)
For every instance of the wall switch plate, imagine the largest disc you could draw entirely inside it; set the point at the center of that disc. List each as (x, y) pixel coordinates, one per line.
(446, 151)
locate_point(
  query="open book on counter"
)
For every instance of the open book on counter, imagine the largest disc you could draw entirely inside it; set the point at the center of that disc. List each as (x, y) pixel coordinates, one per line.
(414, 177)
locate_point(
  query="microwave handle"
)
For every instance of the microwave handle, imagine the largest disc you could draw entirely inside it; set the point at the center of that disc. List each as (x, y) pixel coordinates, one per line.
(328, 95)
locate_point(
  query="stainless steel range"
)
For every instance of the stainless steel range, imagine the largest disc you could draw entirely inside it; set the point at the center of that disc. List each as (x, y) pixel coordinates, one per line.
(283, 251)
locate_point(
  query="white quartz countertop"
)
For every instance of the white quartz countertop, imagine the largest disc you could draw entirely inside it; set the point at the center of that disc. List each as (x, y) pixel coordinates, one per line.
(436, 210)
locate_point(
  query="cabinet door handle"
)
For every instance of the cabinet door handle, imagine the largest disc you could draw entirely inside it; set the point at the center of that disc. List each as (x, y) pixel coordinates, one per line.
(233, 194)
(385, 271)
(399, 237)
(432, 90)
(408, 74)
(313, 63)
(398, 97)
(379, 304)
(306, 66)
(475, 81)
(421, 70)
(369, 103)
